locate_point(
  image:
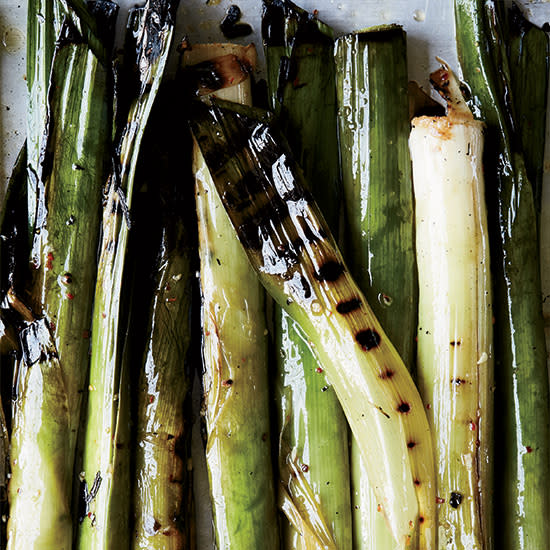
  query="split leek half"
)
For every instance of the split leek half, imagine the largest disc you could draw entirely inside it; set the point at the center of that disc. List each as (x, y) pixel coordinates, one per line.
(50, 386)
(105, 524)
(522, 420)
(290, 246)
(312, 426)
(379, 213)
(235, 344)
(455, 348)
(162, 518)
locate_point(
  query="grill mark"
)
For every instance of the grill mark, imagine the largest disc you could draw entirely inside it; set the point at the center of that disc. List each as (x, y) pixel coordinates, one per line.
(348, 306)
(386, 375)
(404, 408)
(368, 339)
(330, 272)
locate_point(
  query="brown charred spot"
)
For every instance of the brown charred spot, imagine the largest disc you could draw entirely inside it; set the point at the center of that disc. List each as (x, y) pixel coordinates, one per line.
(227, 383)
(417, 482)
(156, 525)
(421, 519)
(411, 444)
(456, 343)
(368, 339)
(169, 437)
(386, 375)
(455, 500)
(458, 381)
(329, 271)
(404, 408)
(348, 306)
(120, 445)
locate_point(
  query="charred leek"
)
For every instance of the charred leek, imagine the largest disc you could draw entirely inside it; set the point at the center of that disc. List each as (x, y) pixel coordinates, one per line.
(51, 382)
(373, 122)
(455, 352)
(313, 428)
(522, 398)
(235, 345)
(290, 246)
(106, 522)
(164, 236)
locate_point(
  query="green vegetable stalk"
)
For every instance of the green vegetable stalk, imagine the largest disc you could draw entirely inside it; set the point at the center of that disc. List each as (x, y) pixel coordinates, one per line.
(165, 238)
(379, 211)
(290, 246)
(235, 345)
(51, 381)
(312, 425)
(105, 457)
(522, 458)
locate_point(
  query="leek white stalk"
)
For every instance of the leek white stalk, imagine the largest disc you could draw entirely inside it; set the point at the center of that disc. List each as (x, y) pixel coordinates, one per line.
(455, 365)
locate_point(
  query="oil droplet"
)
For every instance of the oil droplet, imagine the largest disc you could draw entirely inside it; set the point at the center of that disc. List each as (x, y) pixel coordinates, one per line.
(13, 39)
(316, 307)
(385, 300)
(419, 15)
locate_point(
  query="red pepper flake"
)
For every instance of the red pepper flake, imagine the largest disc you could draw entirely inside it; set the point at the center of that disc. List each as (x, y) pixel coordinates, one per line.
(296, 82)
(104, 315)
(318, 369)
(69, 295)
(207, 333)
(151, 399)
(170, 299)
(304, 468)
(52, 326)
(315, 13)
(472, 426)
(428, 406)
(49, 261)
(439, 500)
(379, 508)
(167, 287)
(529, 449)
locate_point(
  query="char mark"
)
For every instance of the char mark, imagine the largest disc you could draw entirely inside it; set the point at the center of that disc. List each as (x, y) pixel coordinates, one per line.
(348, 306)
(330, 271)
(368, 339)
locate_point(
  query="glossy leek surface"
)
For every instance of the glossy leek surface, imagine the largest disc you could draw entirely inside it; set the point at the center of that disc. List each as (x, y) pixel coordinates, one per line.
(235, 361)
(379, 221)
(312, 426)
(290, 246)
(106, 518)
(522, 464)
(165, 237)
(60, 295)
(529, 61)
(455, 349)
(43, 27)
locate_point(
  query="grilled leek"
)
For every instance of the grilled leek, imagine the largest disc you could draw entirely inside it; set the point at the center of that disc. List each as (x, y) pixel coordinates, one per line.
(50, 387)
(379, 221)
(522, 394)
(164, 236)
(455, 350)
(106, 522)
(235, 347)
(312, 425)
(290, 246)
